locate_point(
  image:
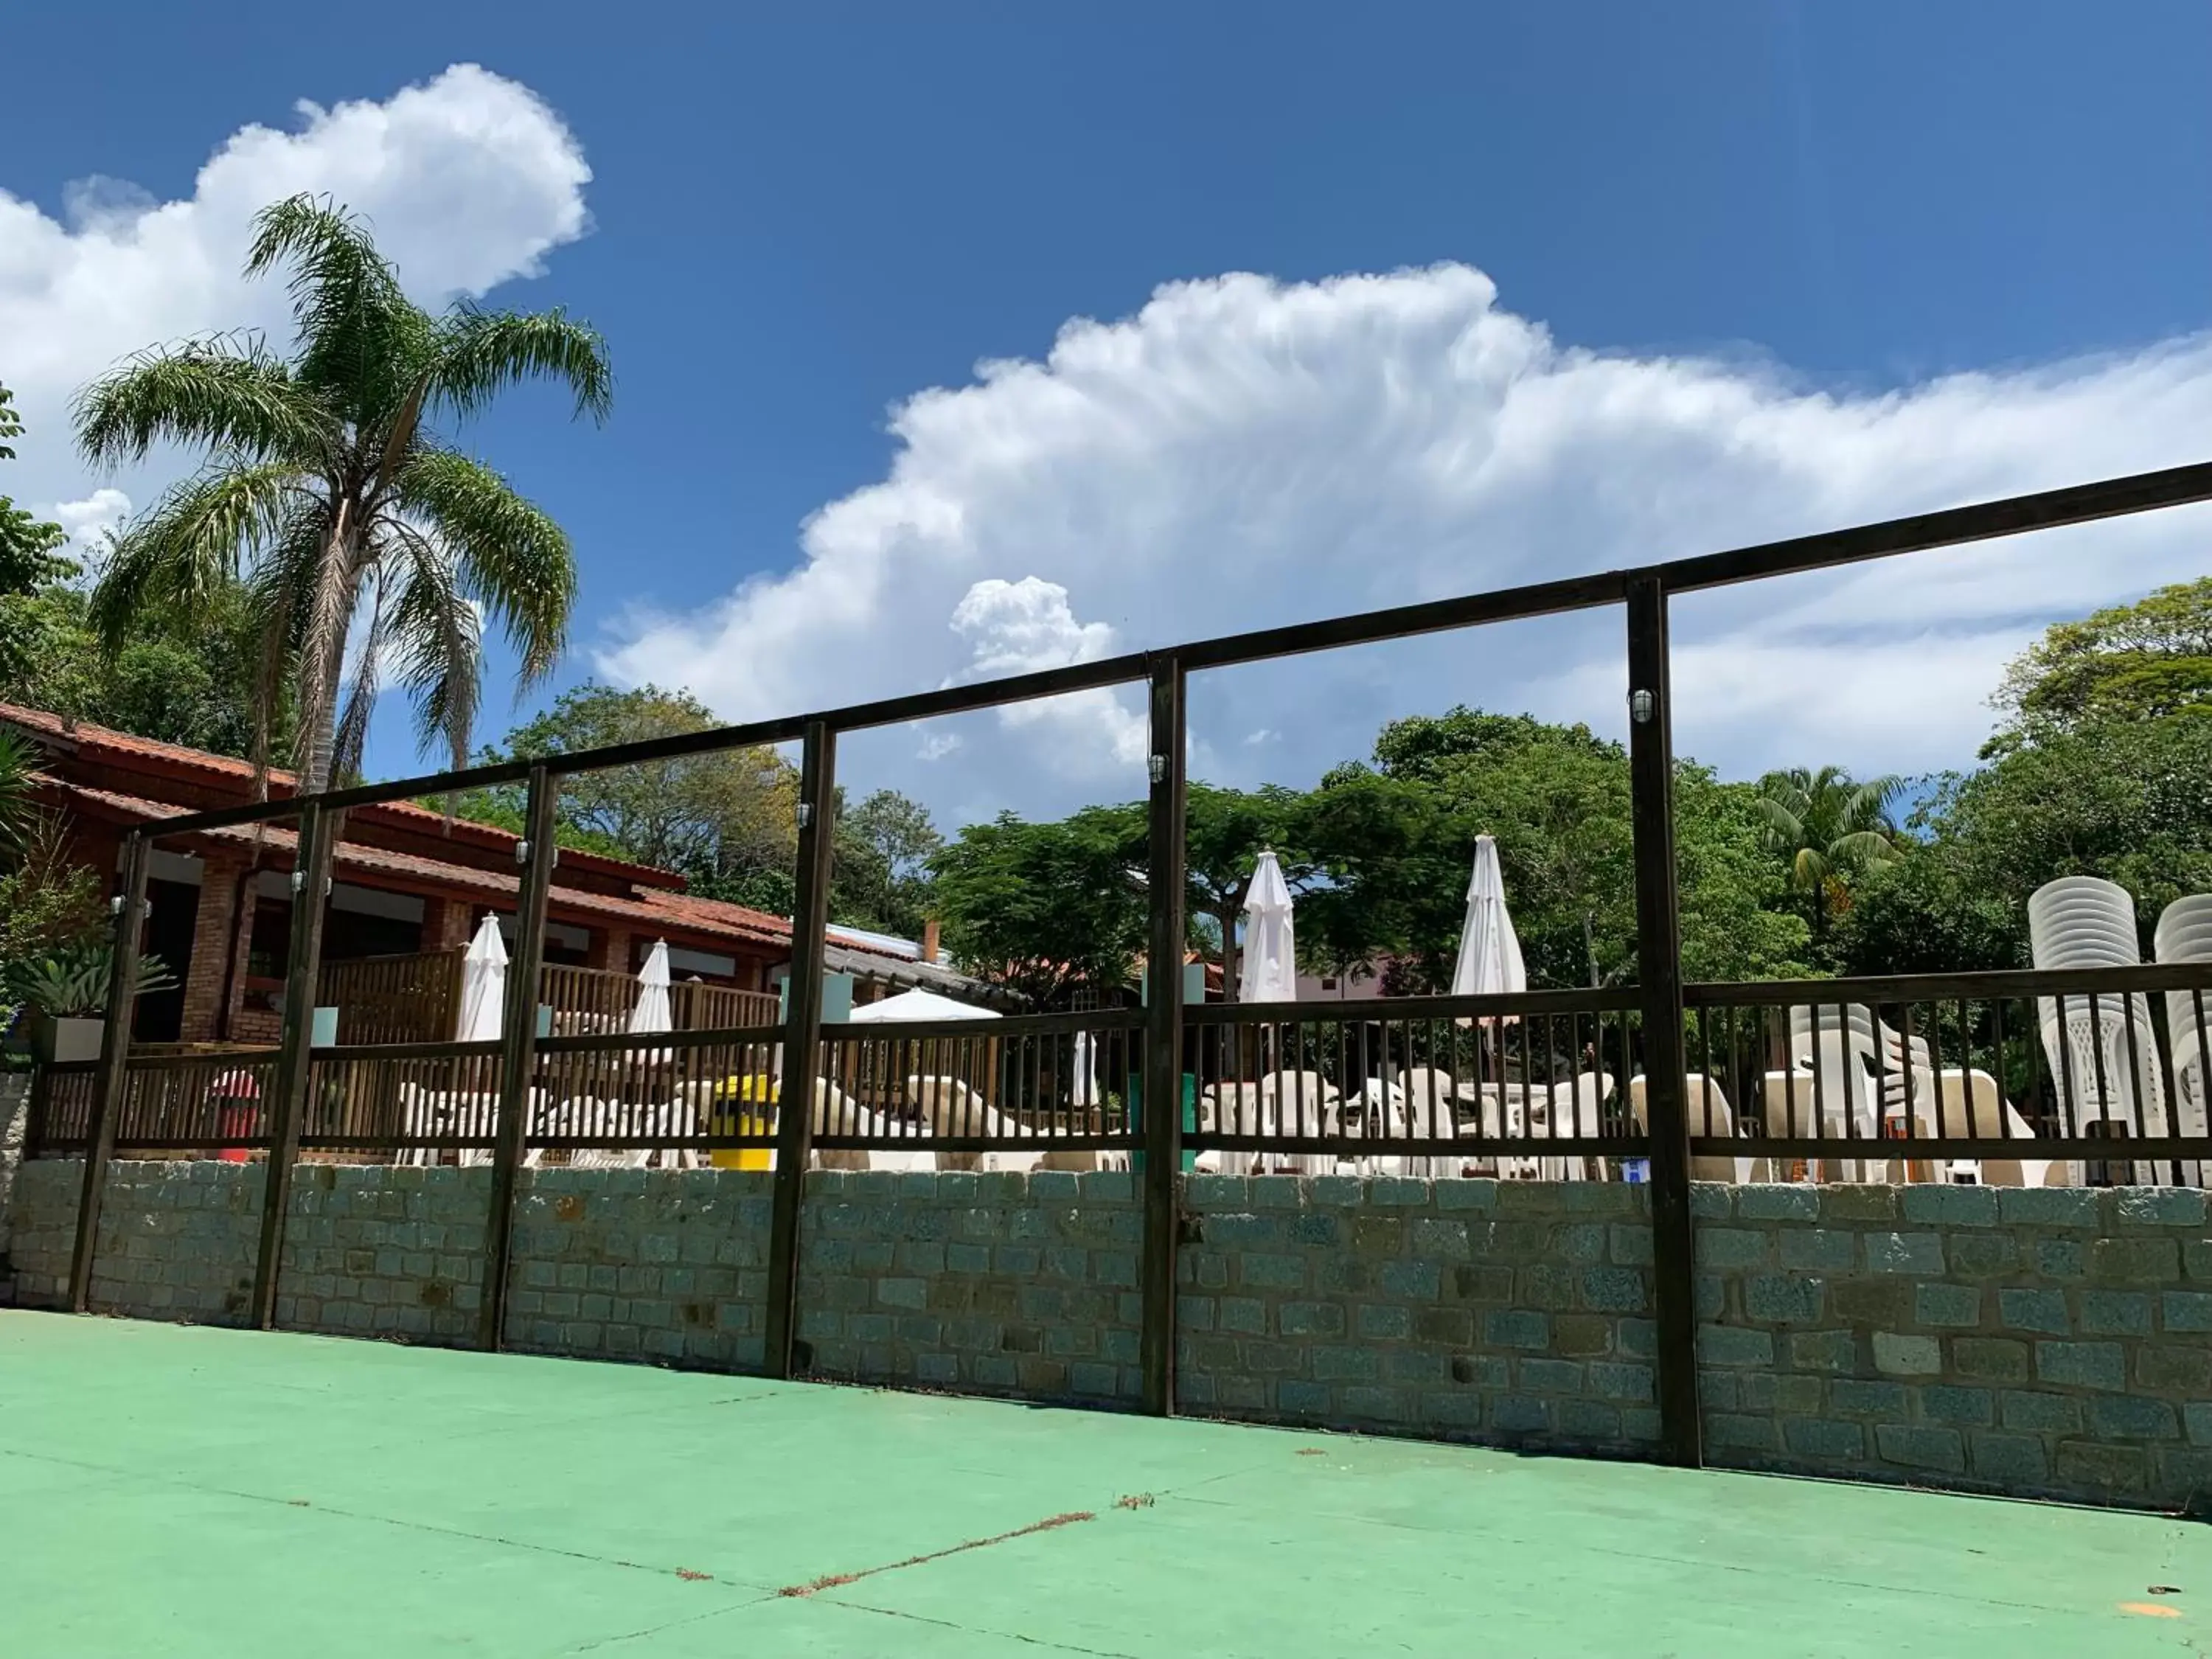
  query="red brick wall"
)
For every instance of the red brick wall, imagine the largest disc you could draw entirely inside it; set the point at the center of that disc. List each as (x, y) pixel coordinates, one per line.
(214, 942)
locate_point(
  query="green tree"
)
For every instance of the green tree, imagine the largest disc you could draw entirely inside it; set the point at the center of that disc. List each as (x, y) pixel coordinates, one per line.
(2128, 800)
(28, 555)
(1043, 908)
(1829, 831)
(2127, 662)
(727, 820)
(881, 875)
(1395, 843)
(47, 901)
(180, 678)
(326, 489)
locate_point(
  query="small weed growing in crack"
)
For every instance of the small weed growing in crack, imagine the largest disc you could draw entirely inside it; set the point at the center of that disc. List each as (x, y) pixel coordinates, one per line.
(690, 1577)
(1135, 1500)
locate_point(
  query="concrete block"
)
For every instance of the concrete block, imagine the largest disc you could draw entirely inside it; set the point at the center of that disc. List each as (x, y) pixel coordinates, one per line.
(1726, 1345)
(1382, 1404)
(1778, 1203)
(2106, 1470)
(2040, 1412)
(1711, 1201)
(2015, 1461)
(1990, 1359)
(1947, 1205)
(1944, 1403)
(2132, 1416)
(1816, 1249)
(1377, 1322)
(1855, 1201)
(2081, 1365)
(1823, 1351)
(1782, 1298)
(1630, 1244)
(1589, 1422)
(2115, 1313)
(1824, 1439)
(1779, 1393)
(1982, 1256)
(1516, 1328)
(1553, 1376)
(1731, 1431)
(2185, 1310)
(1519, 1414)
(1948, 1304)
(1419, 1281)
(2060, 1258)
(1896, 1354)
(2174, 1370)
(1731, 1247)
(1919, 1447)
(2135, 1261)
(1614, 1290)
(1480, 1196)
(1298, 1399)
(1919, 1254)
(2034, 1310)
(1618, 1380)
(2161, 1206)
(1849, 1397)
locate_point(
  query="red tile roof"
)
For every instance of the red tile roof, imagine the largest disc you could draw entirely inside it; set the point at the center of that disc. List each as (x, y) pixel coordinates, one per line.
(651, 908)
(96, 741)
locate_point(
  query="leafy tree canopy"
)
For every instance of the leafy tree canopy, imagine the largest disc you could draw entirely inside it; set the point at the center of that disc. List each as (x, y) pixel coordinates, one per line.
(2127, 662)
(28, 546)
(1043, 908)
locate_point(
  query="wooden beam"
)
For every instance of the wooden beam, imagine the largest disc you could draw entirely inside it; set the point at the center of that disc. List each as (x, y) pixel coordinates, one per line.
(1162, 1127)
(114, 1061)
(518, 1036)
(1659, 976)
(802, 1044)
(287, 1103)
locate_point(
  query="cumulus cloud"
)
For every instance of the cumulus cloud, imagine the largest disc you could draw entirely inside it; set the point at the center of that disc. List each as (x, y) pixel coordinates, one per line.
(469, 178)
(1244, 452)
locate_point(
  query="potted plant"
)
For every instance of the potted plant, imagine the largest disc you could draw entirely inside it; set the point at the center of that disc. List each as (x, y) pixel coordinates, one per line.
(65, 991)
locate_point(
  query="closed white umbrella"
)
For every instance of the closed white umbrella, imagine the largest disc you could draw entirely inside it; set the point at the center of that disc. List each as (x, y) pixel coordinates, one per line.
(1271, 970)
(484, 986)
(651, 1013)
(1087, 1069)
(1489, 954)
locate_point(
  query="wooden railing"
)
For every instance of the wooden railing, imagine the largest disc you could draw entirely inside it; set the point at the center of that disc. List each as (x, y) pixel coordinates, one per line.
(417, 998)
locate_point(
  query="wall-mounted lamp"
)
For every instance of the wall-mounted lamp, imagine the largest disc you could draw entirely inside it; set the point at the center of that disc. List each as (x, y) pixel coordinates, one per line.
(1642, 706)
(1159, 768)
(115, 905)
(805, 813)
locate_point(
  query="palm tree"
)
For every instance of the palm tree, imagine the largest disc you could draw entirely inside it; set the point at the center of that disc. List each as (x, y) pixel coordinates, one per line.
(324, 489)
(1829, 828)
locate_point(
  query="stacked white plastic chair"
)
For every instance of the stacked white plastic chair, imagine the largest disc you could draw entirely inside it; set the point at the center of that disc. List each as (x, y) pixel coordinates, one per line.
(1846, 1077)
(2103, 1050)
(2185, 934)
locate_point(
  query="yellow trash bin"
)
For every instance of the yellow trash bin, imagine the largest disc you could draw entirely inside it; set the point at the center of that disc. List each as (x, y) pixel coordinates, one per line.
(741, 1106)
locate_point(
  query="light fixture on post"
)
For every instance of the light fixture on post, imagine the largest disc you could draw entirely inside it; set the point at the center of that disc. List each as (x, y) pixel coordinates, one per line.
(805, 813)
(1642, 706)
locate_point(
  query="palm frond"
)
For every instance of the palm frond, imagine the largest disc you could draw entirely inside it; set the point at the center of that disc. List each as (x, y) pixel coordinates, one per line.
(227, 393)
(481, 353)
(193, 542)
(350, 742)
(362, 342)
(438, 640)
(508, 554)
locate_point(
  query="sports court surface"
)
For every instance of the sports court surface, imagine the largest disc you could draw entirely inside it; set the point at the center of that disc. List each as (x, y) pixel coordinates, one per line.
(172, 1491)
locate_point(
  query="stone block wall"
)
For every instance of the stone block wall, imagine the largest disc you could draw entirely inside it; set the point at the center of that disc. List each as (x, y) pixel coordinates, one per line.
(1516, 1312)
(636, 1264)
(2049, 1342)
(1024, 1286)
(177, 1241)
(608, 1263)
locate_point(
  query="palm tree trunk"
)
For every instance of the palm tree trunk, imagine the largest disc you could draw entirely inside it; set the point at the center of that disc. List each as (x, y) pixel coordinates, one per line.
(322, 653)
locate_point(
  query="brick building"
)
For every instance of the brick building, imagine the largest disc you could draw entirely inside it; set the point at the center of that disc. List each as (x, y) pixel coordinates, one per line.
(406, 881)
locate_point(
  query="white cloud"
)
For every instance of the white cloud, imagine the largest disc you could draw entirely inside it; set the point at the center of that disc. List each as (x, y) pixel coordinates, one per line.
(468, 179)
(1242, 452)
(90, 521)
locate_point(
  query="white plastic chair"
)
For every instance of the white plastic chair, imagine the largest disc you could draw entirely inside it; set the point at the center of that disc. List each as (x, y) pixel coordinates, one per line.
(1707, 1110)
(2102, 1049)
(2185, 934)
(1298, 1104)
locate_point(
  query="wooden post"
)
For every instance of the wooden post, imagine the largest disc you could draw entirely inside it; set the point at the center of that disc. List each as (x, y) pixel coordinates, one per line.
(114, 1059)
(1659, 976)
(287, 1097)
(802, 1042)
(518, 1053)
(1161, 1128)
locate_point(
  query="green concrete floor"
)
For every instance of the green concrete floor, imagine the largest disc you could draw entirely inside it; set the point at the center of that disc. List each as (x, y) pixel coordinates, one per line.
(172, 1491)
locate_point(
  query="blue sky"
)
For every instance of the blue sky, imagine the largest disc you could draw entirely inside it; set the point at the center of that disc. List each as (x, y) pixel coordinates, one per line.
(798, 219)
